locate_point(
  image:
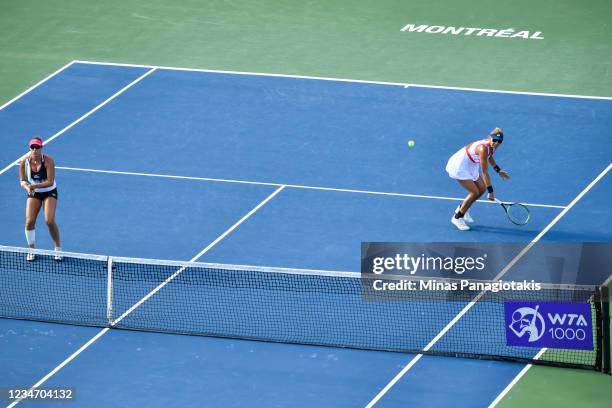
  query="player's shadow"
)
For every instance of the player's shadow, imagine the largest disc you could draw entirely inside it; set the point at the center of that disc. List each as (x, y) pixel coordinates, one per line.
(590, 236)
(552, 235)
(519, 232)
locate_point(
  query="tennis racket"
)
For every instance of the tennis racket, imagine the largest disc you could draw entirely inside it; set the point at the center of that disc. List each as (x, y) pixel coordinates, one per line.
(517, 213)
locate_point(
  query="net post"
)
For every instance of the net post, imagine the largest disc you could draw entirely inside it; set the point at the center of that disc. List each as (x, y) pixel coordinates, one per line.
(596, 305)
(605, 320)
(109, 290)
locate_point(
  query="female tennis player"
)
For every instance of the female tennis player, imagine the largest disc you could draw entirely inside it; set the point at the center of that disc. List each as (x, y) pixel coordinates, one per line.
(37, 176)
(470, 167)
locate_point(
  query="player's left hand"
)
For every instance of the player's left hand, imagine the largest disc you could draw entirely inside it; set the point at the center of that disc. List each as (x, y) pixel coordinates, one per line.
(504, 174)
(491, 197)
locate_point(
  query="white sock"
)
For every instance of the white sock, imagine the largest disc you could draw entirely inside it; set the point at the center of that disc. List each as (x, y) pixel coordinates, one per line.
(30, 237)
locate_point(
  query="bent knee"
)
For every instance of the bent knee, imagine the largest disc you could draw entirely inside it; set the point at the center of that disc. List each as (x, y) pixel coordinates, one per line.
(50, 222)
(30, 224)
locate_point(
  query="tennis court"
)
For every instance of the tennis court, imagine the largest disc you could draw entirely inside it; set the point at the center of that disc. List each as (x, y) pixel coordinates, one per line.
(280, 170)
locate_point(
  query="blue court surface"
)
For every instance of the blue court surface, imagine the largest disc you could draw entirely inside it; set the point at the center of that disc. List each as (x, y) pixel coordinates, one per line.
(284, 172)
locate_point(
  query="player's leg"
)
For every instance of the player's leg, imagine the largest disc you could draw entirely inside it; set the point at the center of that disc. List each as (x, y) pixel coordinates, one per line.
(480, 184)
(32, 209)
(482, 188)
(473, 194)
(49, 209)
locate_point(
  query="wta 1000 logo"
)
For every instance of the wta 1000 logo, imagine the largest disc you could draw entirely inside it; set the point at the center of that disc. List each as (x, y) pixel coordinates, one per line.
(549, 324)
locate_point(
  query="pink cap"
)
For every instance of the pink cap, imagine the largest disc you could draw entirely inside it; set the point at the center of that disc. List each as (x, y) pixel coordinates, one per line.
(36, 141)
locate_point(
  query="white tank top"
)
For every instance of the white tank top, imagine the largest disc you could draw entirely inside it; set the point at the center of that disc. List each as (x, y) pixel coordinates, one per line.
(472, 153)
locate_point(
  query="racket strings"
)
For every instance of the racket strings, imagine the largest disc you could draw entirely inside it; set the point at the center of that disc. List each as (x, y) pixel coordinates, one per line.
(518, 213)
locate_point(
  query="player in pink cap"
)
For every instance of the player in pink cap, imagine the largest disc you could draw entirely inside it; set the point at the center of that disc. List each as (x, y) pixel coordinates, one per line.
(37, 176)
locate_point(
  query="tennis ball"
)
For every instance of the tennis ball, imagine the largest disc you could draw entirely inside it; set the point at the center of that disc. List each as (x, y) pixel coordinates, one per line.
(411, 143)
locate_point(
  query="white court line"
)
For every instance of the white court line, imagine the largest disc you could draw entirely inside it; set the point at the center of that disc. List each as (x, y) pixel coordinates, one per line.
(66, 361)
(499, 276)
(401, 84)
(85, 116)
(30, 89)
(137, 304)
(297, 186)
(516, 379)
(202, 252)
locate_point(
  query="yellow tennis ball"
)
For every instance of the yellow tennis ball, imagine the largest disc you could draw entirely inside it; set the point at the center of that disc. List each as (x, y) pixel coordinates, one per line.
(411, 143)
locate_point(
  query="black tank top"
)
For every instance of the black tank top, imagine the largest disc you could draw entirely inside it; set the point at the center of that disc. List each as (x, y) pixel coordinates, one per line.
(39, 176)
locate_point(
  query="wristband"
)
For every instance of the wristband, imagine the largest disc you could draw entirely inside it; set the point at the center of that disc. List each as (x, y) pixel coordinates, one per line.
(496, 168)
(490, 189)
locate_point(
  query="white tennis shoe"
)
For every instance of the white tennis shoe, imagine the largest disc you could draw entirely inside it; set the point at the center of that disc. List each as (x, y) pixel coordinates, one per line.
(58, 257)
(460, 223)
(468, 218)
(30, 257)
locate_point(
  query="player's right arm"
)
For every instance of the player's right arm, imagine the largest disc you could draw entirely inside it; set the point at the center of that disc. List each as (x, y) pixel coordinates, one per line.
(483, 153)
(22, 176)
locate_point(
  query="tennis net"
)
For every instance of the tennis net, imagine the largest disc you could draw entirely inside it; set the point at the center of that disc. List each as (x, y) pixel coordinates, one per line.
(337, 309)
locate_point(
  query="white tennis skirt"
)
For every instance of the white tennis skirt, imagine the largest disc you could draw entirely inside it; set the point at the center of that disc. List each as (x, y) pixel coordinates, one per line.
(460, 167)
